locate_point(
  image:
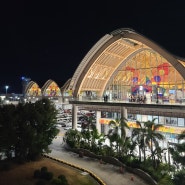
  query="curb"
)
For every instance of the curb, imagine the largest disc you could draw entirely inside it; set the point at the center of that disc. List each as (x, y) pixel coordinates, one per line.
(77, 167)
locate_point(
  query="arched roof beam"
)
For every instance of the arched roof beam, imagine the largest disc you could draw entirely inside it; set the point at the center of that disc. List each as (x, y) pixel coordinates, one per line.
(30, 84)
(65, 86)
(86, 59)
(100, 47)
(46, 85)
(165, 54)
(89, 63)
(121, 66)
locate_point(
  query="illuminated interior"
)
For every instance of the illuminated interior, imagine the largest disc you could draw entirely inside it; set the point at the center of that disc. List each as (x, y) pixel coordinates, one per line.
(33, 89)
(147, 73)
(51, 88)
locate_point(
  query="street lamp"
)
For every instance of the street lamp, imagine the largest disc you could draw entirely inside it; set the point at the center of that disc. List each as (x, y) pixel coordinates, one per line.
(6, 87)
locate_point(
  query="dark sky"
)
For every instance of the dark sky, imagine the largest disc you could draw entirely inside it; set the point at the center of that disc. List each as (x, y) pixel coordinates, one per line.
(47, 40)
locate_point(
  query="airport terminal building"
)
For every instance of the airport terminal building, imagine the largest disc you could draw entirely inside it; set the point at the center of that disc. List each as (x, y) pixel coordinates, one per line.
(140, 79)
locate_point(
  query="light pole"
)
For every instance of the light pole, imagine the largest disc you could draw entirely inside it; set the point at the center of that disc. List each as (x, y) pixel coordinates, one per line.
(6, 87)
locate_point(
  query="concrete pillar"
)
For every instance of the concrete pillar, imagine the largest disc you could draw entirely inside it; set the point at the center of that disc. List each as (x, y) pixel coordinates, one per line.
(123, 112)
(124, 115)
(98, 125)
(115, 115)
(74, 116)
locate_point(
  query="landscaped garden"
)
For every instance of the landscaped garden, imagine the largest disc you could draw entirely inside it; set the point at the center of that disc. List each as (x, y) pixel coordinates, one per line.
(145, 139)
(28, 129)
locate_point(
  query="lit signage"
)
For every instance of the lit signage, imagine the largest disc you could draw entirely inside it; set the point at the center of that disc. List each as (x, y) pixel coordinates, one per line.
(172, 130)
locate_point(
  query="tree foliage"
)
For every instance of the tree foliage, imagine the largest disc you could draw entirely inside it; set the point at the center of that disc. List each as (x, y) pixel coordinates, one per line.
(179, 150)
(27, 129)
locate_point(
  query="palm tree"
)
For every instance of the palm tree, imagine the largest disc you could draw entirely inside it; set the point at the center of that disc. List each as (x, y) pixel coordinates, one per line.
(119, 125)
(152, 137)
(147, 135)
(101, 140)
(182, 135)
(177, 152)
(113, 135)
(138, 135)
(96, 137)
(179, 178)
(86, 135)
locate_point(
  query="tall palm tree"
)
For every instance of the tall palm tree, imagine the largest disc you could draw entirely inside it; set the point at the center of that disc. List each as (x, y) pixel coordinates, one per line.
(152, 136)
(96, 139)
(113, 134)
(86, 135)
(179, 157)
(147, 135)
(179, 150)
(182, 135)
(119, 125)
(114, 137)
(101, 141)
(138, 139)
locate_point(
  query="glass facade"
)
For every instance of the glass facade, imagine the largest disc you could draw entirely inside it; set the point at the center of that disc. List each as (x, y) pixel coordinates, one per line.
(147, 75)
(172, 126)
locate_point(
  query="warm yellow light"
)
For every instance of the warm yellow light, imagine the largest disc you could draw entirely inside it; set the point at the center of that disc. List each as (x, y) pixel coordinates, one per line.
(161, 72)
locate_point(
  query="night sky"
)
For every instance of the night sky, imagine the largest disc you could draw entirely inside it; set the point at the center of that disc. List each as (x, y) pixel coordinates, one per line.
(48, 40)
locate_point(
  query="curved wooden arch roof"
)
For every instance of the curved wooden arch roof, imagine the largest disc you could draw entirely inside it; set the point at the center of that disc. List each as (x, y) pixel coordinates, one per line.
(109, 54)
(30, 84)
(66, 85)
(47, 84)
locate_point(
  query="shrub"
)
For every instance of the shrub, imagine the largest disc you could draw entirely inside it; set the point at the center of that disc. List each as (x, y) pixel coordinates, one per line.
(166, 180)
(37, 174)
(63, 179)
(48, 175)
(43, 169)
(135, 163)
(179, 178)
(56, 181)
(40, 182)
(43, 172)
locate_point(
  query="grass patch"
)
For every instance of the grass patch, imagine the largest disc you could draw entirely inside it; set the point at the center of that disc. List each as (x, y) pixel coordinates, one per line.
(24, 174)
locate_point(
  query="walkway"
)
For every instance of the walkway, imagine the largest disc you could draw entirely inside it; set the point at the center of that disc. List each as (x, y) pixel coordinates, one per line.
(108, 173)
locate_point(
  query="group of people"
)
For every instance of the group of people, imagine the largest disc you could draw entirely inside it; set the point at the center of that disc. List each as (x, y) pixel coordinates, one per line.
(132, 98)
(105, 98)
(137, 98)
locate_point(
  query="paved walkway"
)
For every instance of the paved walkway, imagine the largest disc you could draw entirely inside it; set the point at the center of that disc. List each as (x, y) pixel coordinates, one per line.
(108, 173)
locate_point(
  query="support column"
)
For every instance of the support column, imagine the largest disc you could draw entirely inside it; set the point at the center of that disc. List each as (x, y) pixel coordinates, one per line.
(124, 115)
(123, 112)
(74, 116)
(115, 115)
(98, 125)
